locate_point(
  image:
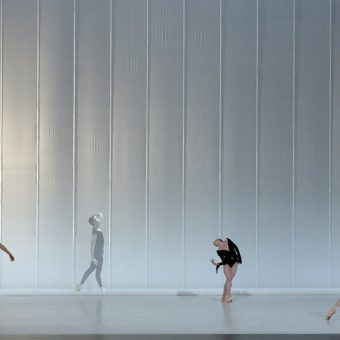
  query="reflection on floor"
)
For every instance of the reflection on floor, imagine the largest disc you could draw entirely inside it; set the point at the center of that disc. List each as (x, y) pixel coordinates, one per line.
(174, 317)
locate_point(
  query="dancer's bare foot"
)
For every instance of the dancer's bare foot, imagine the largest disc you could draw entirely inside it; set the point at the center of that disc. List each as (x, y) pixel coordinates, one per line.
(229, 299)
(330, 313)
(226, 299)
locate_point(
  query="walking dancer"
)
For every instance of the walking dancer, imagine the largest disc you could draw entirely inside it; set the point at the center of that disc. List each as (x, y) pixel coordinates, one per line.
(231, 257)
(97, 250)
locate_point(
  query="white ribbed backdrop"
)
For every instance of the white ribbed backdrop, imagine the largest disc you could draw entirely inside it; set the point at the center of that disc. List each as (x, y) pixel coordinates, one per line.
(181, 121)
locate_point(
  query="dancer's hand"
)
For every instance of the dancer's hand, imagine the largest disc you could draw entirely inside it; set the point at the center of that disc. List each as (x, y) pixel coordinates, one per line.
(11, 257)
(213, 262)
(95, 262)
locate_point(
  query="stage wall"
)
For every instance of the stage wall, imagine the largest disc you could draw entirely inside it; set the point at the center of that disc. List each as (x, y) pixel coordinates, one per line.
(182, 121)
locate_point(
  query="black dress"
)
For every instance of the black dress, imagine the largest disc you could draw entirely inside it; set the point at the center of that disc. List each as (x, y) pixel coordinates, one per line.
(229, 257)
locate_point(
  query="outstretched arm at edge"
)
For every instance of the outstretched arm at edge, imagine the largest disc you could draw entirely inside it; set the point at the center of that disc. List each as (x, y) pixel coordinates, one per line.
(4, 249)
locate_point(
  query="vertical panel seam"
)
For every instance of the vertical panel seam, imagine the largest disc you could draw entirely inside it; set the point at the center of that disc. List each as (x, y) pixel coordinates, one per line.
(74, 147)
(330, 136)
(2, 129)
(147, 142)
(257, 142)
(293, 144)
(110, 144)
(183, 137)
(220, 138)
(37, 225)
(220, 129)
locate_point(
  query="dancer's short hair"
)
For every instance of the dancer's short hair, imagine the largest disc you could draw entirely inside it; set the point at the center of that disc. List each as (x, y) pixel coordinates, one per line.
(91, 220)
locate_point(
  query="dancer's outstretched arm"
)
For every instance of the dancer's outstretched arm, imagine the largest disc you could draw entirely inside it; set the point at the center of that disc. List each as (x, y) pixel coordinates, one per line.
(332, 310)
(4, 249)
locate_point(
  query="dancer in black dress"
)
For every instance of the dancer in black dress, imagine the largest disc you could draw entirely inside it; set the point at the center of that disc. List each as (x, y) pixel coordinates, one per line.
(231, 257)
(97, 250)
(4, 249)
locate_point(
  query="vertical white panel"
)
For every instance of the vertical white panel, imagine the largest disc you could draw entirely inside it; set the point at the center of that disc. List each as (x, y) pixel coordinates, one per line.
(19, 140)
(56, 144)
(202, 138)
(93, 128)
(335, 128)
(1, 121)
(165, 161)
(312, 139)
(239, 133)
(275, 143)
(129, 144)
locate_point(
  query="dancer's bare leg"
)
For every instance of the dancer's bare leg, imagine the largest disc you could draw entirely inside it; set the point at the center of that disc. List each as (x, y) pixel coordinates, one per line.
(332, 310)
(234, 269)
(228, 283)
(225, 290)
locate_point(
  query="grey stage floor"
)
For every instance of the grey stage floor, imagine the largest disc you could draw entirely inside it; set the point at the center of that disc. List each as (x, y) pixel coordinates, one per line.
(106, 317)
(171, 337)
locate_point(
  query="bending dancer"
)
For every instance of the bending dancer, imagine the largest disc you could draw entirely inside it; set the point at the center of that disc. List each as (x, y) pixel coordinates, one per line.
(4, 249)
(97, 250)
(332, 310)
(231, 257)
